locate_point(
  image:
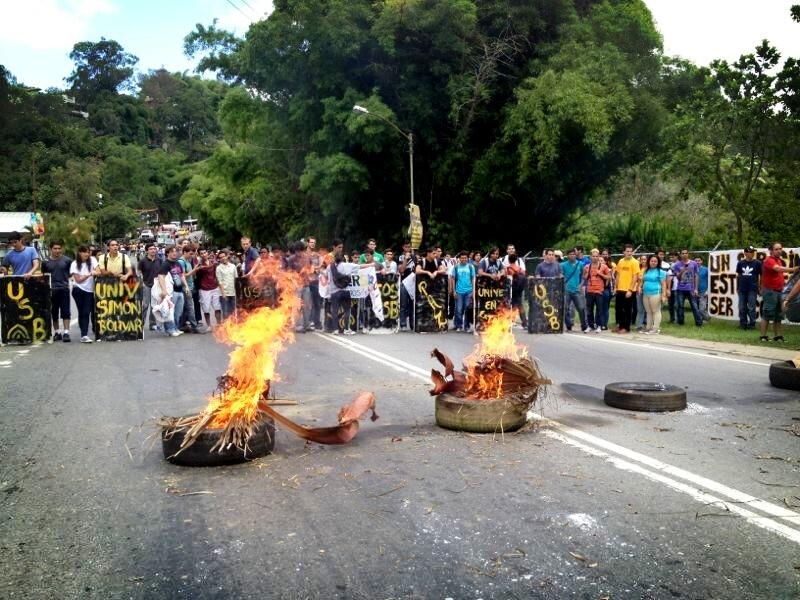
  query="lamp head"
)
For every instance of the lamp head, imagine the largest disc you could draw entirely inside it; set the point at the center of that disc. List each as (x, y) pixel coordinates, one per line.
(361, 109)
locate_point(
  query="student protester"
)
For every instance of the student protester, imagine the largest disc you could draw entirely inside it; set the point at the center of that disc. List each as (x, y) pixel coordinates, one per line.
(685, 271)
(654, 292)
(188, 263)
(172, 282)
(430, 266)
(371, 245)
(315, 260)
(462, 287)
(490, 265)
(572, 271)
(21, 259)
(389, 265)
(511, 250)
(475, 257)
(608, 292)
(114, 263)
(249, 255)
(326, 287)
(208, 288)
(339, 275)
(406, 266)
(516, 274)
(226, 278)
(639, 315)
(596, 276)
(148, 269)
(748, 283)
(549, 267)
(772, 283)
(672, 287)
(627, 275)
(298, 263)
(81, 270)
(57, 266)
(702, 289)
(581, 257)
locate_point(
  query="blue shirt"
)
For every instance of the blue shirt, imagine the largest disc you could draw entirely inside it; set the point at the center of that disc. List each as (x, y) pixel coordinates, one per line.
(652, 279)
(702, 286)
(572, 275)
(463, 274)
(20, 262)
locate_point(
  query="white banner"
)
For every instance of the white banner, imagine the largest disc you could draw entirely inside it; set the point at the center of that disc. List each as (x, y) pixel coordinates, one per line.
(723, 292)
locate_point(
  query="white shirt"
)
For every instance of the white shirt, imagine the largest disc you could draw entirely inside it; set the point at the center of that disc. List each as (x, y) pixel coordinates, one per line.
(88, 284)
(520, 262)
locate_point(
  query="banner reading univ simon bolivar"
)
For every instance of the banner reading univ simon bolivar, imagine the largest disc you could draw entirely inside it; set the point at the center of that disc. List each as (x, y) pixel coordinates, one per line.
(117, 309)
(723, 293)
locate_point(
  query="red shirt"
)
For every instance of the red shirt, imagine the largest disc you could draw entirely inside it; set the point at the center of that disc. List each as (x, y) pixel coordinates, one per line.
(770, 279)
(591, 274)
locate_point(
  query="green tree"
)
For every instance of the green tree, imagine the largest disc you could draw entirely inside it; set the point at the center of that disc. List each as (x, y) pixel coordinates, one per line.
(102, 66)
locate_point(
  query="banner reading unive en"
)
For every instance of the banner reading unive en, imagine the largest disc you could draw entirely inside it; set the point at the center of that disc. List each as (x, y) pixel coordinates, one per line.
(546, 298)
(431, 304)
(117, 309)
(25, 310)
(388, 286)
(250, 296)
(489, 298)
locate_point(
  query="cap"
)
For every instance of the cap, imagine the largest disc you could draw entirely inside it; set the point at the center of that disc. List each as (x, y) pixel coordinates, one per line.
(559, 254)
(749, 249)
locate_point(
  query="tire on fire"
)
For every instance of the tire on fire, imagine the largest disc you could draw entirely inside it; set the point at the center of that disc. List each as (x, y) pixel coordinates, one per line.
(199, 454)
(784, 375)
(480, 416)
(645, 396)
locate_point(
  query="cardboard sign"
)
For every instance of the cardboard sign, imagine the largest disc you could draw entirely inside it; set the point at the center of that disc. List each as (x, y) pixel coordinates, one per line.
(723, 289)
(489, 298)
(117, 309)
(546, 299)
(25, 316)
(250, 296)
(431, 304)
(389, 287)
(360, 281)
(340, 324)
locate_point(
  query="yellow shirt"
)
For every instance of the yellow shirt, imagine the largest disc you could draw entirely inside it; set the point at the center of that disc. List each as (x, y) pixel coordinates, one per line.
(627, 273)
(114, 263)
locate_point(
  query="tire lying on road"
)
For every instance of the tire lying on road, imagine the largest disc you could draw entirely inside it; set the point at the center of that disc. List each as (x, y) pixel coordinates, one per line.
(199, 454)
(784, 375)
(645, 396)
(480, 416)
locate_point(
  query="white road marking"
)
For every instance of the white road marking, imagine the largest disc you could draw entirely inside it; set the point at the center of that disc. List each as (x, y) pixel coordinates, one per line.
(626, 460)
(662, 348)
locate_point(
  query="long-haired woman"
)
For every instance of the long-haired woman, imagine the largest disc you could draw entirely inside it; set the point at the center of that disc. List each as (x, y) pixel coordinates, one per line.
(654, 292)
(81, 271)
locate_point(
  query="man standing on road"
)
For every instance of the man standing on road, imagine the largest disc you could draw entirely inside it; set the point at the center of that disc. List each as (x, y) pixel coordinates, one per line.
(249, 255)
(772, 282)
(406, 267)
(315, 260)
(596, 275)
(226, 277)
(687, 274)
(462, 286)
(298, 263)
(172, 269)
(190, 268)
(208, 288)
(627, 271)
(573, 287)
(748, 282)
(23, 260)
(702, 289)
(58, 268)
(114, 262)
(148, 268)
(549, 267)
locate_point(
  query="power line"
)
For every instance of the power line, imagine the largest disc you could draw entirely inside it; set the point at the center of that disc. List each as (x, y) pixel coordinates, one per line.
(248, 6)
(239, 9)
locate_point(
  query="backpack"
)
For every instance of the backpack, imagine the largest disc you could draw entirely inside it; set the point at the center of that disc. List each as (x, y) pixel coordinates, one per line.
(339, 280)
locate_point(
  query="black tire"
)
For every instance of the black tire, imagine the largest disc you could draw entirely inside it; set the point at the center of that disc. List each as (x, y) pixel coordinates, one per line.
(784, 375)
(480, 416)
(645, 396)
(199, 454)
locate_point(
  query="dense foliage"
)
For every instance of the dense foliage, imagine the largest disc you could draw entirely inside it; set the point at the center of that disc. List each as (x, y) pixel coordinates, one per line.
(536, 121)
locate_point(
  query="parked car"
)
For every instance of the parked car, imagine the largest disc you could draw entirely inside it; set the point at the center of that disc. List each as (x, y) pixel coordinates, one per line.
(147, 236)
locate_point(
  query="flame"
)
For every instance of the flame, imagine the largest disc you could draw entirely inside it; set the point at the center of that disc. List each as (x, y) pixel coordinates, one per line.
(260, 336)
(484, 379)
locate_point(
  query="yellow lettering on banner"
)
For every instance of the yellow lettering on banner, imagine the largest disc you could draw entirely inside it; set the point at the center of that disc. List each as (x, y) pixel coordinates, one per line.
(436, 308)
(549, 311)
(24, 304)
(20, 291)
(38, 330)
(110, 326)
(540, 291)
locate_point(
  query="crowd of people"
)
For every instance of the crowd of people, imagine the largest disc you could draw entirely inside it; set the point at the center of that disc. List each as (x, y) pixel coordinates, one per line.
(190, 289)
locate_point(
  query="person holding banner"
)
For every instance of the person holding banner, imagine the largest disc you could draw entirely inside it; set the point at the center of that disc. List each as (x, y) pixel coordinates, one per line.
(114, 262)
(82, 272)
(462, 286)
(58, 266)
(491, 266)
(340, 278)
(23, 260)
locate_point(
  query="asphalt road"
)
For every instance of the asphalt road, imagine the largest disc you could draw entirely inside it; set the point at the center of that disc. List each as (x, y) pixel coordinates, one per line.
(588, 502)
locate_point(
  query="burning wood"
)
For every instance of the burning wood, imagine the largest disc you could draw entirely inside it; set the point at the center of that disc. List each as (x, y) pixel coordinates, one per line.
(496, 368)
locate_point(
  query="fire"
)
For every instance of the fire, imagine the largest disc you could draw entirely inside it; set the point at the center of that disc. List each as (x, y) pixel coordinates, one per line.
(484, 375)
(259, 336)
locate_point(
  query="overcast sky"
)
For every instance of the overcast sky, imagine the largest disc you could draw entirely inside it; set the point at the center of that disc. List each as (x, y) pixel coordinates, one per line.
(36, 36)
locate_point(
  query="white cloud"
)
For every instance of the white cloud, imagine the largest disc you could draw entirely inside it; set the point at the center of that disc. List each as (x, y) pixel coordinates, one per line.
(239, 20)
(49, 24)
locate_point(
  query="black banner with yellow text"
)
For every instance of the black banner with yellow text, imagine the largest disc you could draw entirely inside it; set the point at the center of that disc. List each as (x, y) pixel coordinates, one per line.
(25, 310)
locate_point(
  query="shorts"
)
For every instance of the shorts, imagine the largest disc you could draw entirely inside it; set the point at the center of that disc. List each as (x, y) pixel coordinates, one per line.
(209, 301)
(771, 305)
(60, 303)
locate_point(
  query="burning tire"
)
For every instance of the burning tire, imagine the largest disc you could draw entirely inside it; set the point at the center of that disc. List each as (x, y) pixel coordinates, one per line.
(645, 396)
(784, 375)
(200, 453)
(480, 416)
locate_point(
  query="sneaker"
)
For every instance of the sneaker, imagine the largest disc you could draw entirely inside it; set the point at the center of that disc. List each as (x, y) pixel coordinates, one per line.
(598, 329)
(777, 338)
(403, 328)
(655, 331)
(176, 333)
(587, 330)
(312, 328)
(763, 338)
(336, 332)
(65, 337)
(349, 332)
(57, 337)
(86, 340)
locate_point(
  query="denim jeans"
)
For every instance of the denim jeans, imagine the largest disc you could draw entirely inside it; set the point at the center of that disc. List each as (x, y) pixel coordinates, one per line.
(406, 308)
(641, 315)
(84, 301)
(680, 307)
(228, 305)
(147, 304)
(594, 310)
(605, 308)
(305, 297)
(747, 308)
(188, 315)
(316, 304)
(575, 300)
(178, 298)
(463, 304)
